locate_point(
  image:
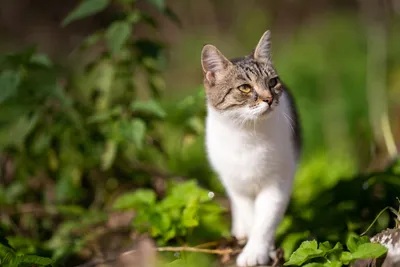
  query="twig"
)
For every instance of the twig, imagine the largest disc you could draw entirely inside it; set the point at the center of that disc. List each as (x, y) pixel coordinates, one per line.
(377, 217)
(200, 250)
(208, 244)
(214, 243)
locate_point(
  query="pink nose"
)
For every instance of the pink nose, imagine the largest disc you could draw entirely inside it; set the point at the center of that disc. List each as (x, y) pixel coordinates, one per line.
(268, 100)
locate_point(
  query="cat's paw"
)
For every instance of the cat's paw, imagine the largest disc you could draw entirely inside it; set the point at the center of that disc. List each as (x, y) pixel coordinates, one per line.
(240, 235)
(253, 256)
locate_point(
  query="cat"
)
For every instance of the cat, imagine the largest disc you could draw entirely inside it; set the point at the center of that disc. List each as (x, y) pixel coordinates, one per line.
(253, 143)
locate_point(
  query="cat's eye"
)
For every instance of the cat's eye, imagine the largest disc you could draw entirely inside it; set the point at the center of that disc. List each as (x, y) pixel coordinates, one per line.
(273, 82)
(245, 88)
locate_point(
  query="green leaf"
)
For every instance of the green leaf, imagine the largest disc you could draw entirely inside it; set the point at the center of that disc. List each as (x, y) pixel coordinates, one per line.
(182, 193)
(306, 251)
(86, 9)
(117, 34)
(160, 4)
(152, 108)
(36, 260)
(135, 130)
(139, 198)
(4, 242)
(335, 252)
(190, 214)
(40, 143)
(134, 17)
(108, 156)
(16, 133)
(333, 264)
(9, 81)
(14, 192)
(369, 250)
(325, 246)
(314, 264)
(346, 257)
(67, 187)
(105, 115)
(353, 241)
(42, 60)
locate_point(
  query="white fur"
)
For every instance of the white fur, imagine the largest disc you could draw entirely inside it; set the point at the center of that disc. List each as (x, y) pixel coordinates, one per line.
(256, 162)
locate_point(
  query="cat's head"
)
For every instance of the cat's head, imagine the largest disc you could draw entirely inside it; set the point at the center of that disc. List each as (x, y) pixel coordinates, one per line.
(246, 88)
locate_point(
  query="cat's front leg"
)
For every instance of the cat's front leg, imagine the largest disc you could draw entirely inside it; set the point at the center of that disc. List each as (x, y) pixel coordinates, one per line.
(242, 216)
(270, 206)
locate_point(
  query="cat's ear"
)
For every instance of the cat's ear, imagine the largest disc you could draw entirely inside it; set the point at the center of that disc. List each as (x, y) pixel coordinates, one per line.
(213, 62)
(262, 52)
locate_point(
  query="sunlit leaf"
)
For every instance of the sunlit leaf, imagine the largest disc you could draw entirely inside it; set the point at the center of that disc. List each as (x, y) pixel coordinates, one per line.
(190, 214)
(314, 264)
(325, 246)
(333, 264)
(306, 251)
(353, 241)
(131, 200)
(346, 257)
(369, 250)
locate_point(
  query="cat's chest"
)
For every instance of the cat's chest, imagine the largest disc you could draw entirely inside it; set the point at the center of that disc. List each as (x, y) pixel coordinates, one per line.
(245, 156)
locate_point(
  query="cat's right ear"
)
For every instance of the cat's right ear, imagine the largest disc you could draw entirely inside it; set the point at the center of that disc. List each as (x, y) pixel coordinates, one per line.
(214, 64)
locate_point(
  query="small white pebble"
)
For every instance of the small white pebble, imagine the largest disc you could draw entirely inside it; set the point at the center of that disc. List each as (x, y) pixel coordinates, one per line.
(211, 194)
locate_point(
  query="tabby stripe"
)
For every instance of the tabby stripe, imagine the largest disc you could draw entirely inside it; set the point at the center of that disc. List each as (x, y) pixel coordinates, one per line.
(234, 104)
(247, 75)
(258, 68)
(223, 98)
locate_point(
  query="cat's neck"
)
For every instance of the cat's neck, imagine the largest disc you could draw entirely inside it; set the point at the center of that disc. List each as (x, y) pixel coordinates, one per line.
(262, 124)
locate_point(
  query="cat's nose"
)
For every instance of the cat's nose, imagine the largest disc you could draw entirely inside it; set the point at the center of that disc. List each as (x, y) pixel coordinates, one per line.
(268, 100)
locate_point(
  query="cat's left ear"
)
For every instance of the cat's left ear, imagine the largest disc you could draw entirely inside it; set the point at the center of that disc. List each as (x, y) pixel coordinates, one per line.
(262, 53)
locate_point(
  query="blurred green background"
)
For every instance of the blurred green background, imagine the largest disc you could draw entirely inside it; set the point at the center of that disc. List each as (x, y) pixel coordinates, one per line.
(102, 120)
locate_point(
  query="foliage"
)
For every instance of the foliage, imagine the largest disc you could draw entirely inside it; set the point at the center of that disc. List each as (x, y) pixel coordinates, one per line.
(10, 258)
(71, 138)
(312, 253)
(186, 208)
(82, 145)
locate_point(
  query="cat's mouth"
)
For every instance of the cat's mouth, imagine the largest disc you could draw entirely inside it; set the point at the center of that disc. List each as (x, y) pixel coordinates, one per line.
(266, 111)
(261, 111)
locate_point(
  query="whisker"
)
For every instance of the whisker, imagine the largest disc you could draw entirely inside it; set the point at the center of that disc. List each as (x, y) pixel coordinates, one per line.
(290, 121)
